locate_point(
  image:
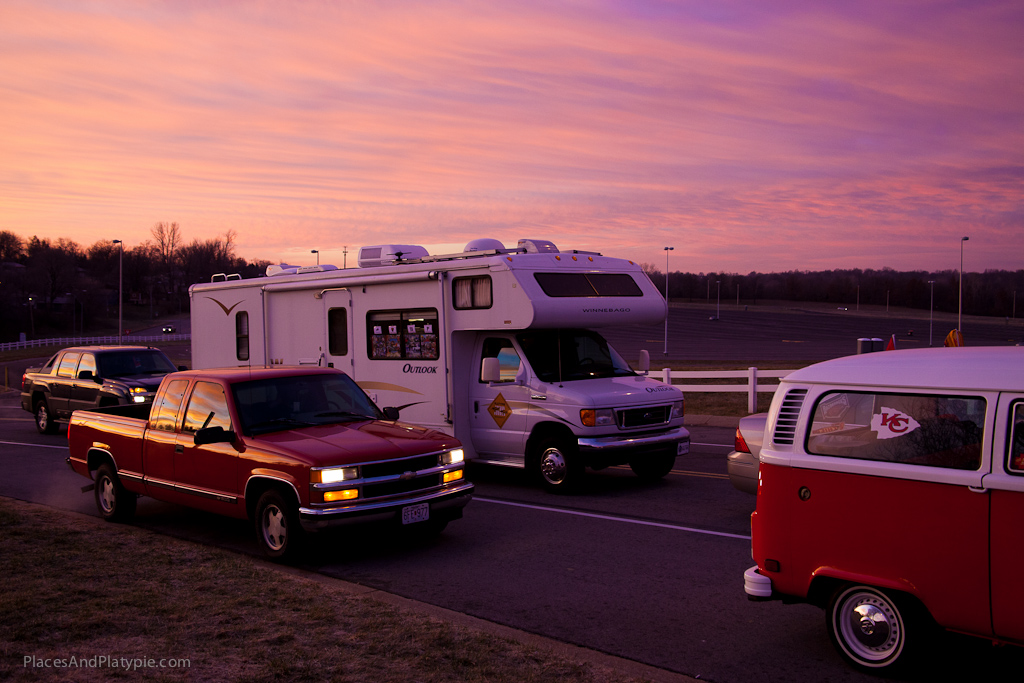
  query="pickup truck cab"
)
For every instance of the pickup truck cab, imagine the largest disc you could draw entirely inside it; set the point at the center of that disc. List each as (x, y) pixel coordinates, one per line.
(891, 493)
(295, 450)
(84, 377)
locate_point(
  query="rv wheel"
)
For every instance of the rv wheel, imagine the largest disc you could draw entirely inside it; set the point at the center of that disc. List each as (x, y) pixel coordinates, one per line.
(869, 627)
(558, 465)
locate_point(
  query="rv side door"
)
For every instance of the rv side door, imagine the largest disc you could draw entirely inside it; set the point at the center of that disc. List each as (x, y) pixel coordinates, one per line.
(338, 324)
(499, 411)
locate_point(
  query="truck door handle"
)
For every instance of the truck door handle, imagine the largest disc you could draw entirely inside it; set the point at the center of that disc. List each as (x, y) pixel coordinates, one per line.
(178, 448)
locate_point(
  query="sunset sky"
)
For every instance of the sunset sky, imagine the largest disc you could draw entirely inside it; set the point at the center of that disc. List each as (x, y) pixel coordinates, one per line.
(749, 135)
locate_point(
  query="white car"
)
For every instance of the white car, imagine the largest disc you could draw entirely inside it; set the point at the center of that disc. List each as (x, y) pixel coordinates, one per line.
(742, 464)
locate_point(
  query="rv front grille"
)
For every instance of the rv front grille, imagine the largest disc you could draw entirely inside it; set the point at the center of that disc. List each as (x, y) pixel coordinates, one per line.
(394, 488)
(644, 417)
(785, 423)
(390, 468)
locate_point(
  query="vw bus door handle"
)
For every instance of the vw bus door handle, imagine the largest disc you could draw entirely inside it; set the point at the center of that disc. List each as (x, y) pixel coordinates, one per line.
(978, 489)
(538, 397)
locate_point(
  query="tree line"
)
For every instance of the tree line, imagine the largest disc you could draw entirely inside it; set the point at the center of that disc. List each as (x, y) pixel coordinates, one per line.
(60, 288)
(991, 293)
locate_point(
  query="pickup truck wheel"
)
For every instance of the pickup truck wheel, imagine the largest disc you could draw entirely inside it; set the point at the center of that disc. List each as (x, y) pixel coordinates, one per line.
(278, 530)
(115, 503)
(653, 466)
(558, 465)
(870, 628)
(45, 424)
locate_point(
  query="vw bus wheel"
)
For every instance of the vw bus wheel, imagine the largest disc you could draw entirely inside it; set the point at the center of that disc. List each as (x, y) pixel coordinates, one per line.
(114, 502)
(868, 627)
(45, 424)
(278, 530)
(558, 465)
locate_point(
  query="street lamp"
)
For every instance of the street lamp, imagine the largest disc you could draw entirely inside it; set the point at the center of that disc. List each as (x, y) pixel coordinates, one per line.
(718, 313)
(317, 252)
(344, 257)
(960, 307)
(931, 307)
(667, 249)
(120, 289)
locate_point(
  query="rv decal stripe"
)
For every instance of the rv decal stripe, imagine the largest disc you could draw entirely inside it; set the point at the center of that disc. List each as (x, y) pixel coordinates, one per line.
(385, 386)
(227, 311)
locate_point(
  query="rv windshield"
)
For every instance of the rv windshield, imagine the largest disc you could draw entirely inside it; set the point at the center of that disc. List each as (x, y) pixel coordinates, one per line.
(565, 355)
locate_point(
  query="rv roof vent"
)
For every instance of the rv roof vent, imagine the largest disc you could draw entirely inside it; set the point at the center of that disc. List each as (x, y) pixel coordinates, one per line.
(316, 269)
(218, 277)
(484, 244)
(538, 247)
(282, 269)
(388, 254)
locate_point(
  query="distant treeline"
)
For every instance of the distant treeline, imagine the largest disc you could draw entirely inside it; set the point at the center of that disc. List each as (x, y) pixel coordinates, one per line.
(992, 293)
(59, 288)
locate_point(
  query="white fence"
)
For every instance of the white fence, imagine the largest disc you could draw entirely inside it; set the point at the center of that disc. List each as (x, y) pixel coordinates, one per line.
(750, 388)
(81, 341)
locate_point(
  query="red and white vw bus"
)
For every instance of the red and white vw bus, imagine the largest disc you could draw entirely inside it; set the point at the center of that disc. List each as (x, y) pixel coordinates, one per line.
(891, 494)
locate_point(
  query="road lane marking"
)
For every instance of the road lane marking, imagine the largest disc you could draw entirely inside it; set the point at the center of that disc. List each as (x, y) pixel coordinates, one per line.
(612, 518)
(718, 445)
(41, 445)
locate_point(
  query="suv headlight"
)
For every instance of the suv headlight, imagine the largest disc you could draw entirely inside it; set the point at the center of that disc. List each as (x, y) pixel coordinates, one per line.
(604, 417)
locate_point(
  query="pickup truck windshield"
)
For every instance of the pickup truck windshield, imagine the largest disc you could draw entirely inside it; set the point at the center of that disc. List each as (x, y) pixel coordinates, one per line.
(565, 355)
(279, 403)
(128, 363)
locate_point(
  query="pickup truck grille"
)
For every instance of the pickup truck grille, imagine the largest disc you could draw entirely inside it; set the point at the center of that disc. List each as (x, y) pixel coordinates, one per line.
(643, 417)
(390, 468)
(392, 488)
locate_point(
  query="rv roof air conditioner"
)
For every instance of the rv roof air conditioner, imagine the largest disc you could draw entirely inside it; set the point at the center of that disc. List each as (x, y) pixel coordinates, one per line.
(538, 247)
(484, 244)
(389, 254)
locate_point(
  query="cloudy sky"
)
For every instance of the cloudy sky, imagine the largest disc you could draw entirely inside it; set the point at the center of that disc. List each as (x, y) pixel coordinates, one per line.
(748, 134)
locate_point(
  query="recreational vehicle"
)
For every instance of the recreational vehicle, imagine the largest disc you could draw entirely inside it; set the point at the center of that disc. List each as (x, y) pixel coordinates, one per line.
(495, 346)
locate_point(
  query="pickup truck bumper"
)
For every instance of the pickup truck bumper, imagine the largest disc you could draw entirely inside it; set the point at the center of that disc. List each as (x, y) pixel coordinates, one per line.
(444, 504)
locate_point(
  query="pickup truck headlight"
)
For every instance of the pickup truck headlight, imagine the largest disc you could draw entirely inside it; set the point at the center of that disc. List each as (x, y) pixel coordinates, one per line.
(605, 417)
(452, 457)
(332, 475)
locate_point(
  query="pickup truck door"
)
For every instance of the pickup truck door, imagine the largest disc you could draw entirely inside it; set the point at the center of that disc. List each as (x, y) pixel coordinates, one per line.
(60, 385)
(160, 441)
(84, 392)
(208, 473)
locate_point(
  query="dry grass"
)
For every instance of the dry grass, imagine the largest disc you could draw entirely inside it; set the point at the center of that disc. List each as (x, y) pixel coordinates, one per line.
(76, 587)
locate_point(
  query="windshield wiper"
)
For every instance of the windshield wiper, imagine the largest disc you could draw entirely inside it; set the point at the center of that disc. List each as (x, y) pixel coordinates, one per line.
(344, 413)
(282, 421)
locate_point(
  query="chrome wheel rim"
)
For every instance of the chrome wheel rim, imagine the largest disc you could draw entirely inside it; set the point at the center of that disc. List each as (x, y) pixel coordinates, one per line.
(870, 627)
(553, 466)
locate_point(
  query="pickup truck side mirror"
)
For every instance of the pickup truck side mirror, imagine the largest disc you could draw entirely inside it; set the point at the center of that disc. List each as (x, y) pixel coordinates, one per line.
(490, 370)
(213, 435)
(391, 413)
(645, 361)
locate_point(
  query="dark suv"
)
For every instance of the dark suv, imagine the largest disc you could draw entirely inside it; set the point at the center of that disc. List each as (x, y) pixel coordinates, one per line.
(85, 377)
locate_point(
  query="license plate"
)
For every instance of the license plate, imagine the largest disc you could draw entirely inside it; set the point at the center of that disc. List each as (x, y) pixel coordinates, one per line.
(682, 448)
(416, 513)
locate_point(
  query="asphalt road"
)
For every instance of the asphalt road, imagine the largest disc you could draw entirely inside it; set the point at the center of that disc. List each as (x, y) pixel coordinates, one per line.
(650, 572)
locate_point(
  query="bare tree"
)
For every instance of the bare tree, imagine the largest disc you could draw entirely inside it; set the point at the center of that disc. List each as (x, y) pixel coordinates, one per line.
(11, 247)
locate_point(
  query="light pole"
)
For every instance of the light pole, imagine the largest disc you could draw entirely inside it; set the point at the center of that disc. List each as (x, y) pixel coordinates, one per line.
(31, 315)
(667, 249)
(718, 312)
(120, 289)
(931, 308)
(960, 307)
(344, 257)
(317, 252)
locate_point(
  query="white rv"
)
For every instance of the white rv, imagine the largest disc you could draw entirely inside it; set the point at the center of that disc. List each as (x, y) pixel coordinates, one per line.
(495, 346)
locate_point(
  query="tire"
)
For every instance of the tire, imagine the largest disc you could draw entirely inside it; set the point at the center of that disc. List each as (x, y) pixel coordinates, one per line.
(558, 465)
(114, 502)
(45, 422)
(278, 530)
(653, 466)
(870, 628)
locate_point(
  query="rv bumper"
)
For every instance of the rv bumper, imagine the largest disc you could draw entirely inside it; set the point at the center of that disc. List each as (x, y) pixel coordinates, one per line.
(444, 504)
(616, 442)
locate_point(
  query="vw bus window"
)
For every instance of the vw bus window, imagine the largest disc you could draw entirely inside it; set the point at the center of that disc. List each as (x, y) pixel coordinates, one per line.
(913, 429)
(1015, 462)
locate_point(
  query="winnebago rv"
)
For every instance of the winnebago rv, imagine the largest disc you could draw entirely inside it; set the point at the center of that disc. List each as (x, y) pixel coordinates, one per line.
(495, 346)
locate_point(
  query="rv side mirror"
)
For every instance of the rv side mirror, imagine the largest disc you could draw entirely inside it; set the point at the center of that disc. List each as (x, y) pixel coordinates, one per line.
(391, 413)
(490, 370)
(645, 361)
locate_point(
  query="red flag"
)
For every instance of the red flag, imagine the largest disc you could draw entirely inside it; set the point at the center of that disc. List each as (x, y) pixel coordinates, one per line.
(891, 346)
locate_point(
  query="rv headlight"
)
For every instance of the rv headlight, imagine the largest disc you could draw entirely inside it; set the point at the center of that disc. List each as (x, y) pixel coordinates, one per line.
(605, 417)
(332, 475)
(677, 409)
(452, 457)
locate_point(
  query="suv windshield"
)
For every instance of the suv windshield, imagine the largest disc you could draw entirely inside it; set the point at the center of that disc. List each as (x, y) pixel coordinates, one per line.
(138, 362)
(278, 403)
(565, 355)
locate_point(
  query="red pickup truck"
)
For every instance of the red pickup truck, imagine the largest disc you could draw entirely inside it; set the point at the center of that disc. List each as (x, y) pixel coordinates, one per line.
(295, 450)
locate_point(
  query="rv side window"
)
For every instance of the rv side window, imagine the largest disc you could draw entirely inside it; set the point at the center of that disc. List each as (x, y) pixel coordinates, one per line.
(508, 358)
(588, 284)
(402, 335)
(472, 292)
(914, 429)
(337, 331)
(242, 335)
(1015, 460)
